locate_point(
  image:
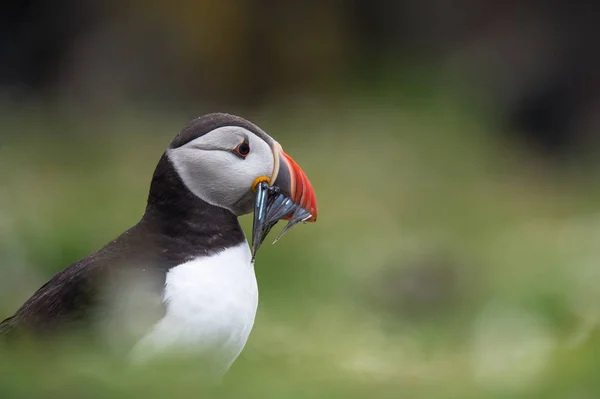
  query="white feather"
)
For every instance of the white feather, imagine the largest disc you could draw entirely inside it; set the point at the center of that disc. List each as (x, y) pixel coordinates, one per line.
(211, 304)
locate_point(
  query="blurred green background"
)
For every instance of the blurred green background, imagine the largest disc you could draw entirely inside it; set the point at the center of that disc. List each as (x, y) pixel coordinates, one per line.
(452, 148)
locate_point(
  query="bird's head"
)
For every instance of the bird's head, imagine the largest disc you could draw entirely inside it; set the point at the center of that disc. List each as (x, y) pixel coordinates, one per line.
(231, 163)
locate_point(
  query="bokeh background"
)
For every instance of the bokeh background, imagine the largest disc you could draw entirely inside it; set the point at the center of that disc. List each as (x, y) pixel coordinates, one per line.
(452, 146)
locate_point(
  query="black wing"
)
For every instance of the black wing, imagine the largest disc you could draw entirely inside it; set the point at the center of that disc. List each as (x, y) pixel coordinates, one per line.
(76, 297)
(66, 299)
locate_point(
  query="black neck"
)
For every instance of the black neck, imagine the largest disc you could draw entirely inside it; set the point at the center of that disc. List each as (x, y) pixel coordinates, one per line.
(185, 225)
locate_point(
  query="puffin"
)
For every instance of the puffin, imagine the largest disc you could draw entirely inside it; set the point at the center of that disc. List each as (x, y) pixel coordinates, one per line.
(182, 280)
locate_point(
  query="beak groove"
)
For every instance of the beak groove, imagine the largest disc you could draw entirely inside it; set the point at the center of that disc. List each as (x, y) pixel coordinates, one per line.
(300, 189)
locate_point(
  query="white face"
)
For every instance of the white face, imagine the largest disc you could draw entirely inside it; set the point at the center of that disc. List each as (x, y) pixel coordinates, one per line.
(211, 169)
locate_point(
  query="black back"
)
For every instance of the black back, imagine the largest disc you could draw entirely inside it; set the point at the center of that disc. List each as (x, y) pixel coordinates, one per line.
(176, 227)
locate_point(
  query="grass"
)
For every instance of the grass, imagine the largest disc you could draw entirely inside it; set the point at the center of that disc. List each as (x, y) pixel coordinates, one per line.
(444, 264)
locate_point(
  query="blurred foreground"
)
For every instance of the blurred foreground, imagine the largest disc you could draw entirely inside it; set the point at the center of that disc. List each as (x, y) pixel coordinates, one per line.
(444, 263)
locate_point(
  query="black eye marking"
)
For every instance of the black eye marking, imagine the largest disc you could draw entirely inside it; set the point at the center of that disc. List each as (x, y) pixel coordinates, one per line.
(242, 150)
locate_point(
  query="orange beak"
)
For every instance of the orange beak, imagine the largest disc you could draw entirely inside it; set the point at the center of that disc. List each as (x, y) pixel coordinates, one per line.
(292, 180)
(287, 195)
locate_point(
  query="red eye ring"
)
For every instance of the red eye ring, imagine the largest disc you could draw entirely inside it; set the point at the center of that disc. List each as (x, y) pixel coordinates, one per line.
(242, 149)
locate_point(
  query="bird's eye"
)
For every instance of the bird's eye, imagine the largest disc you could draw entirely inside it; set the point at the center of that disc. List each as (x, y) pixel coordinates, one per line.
(242, 150)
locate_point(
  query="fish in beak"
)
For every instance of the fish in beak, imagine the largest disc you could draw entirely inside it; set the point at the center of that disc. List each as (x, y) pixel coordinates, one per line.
(287, 195)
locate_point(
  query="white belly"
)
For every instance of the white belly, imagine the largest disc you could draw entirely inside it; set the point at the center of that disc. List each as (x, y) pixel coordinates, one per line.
(210, 308)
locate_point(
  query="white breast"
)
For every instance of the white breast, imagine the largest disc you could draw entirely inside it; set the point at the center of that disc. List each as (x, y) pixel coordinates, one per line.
(210, 308)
